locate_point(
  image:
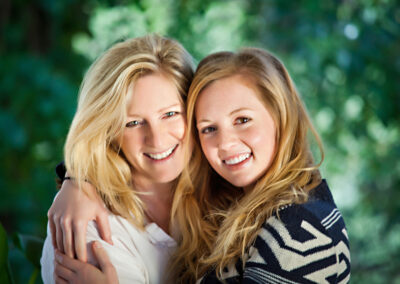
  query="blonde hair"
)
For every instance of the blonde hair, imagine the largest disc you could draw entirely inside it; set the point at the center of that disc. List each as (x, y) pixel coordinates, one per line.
(92, 149)
(221, 221)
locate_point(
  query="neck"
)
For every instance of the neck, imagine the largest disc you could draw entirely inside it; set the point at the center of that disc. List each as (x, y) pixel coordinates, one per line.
(157, 198)
(248, 188)
(160, 191)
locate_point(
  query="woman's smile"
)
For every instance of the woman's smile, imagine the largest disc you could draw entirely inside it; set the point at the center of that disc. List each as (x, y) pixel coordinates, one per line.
(162, 156)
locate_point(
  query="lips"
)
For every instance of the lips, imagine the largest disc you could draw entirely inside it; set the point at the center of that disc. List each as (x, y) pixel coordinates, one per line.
(163, 155)
(232, 161)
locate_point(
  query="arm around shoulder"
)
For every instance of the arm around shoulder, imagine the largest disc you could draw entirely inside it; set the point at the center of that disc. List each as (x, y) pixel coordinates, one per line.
(128, 266)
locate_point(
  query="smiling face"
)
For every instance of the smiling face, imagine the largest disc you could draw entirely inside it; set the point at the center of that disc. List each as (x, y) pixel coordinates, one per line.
(153, 137)
(236, 131)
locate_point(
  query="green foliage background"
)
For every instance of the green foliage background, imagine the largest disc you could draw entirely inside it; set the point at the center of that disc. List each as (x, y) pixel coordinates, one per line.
(343, 56)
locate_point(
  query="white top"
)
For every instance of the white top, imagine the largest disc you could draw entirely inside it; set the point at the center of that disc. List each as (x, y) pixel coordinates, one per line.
(138, 256)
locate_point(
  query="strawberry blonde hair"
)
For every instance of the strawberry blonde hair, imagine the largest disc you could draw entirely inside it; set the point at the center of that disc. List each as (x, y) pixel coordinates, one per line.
(218, 221)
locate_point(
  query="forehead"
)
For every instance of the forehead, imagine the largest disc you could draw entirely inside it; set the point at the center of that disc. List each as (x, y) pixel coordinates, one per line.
(228, 94)
(152, 92)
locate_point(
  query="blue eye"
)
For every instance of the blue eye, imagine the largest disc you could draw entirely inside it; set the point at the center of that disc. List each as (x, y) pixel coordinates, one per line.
(208, 130)
(170, 114)
(241, 120)
(133, 123)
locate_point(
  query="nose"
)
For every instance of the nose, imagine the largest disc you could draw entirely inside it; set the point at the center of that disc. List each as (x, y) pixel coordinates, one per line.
(226, 139)
(155, 136)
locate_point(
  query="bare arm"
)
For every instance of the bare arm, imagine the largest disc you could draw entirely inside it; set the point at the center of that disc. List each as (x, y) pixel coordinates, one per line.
(69, 215)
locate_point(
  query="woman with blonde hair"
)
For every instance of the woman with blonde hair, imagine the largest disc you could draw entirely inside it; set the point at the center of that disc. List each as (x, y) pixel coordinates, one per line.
(126, 142)
(265, 216)
(283, 226)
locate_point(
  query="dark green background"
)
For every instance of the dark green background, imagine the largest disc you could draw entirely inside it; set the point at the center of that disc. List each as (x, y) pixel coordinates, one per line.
(343, 56)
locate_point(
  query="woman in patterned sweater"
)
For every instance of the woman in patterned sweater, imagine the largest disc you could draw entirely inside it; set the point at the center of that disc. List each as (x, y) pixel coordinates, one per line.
(253, 206)
(283, 226)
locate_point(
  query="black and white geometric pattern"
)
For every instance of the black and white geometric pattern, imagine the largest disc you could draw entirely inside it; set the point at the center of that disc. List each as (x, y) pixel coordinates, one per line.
(308, 244)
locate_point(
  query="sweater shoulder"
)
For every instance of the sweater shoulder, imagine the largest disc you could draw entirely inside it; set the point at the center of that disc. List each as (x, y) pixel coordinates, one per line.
(320, 212)
(307, 243)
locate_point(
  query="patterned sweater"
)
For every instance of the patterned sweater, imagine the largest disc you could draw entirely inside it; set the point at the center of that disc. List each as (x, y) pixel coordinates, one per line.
(308, 244)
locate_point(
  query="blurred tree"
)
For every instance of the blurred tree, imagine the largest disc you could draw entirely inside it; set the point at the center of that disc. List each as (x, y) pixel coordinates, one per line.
(344, 57)
(39, 79)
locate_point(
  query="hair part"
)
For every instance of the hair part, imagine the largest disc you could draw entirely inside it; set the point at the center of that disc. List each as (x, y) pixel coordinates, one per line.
(226, 221)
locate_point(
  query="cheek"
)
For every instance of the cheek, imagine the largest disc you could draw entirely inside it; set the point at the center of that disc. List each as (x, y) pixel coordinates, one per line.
(255, 136)
(179, 128)
(209, 149)
(129, 143)
(261, 138)
(203, 145)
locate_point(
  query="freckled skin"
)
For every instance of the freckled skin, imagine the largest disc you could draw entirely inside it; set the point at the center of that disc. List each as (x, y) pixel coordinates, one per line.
(232, 121)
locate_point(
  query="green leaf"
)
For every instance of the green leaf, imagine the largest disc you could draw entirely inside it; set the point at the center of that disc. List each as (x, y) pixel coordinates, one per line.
(3, 247)
(5, 275)
(31, 246)
(34, 276)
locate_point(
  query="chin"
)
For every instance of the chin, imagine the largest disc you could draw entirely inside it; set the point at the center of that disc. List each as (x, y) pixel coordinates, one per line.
(245, 180)
(240, 183)
(166, 178)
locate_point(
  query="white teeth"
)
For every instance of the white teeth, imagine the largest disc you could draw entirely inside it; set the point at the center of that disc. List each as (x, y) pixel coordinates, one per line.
(162, 155)
(237, 160)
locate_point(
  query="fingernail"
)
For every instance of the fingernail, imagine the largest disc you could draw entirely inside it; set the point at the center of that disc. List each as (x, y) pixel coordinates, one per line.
(97, 245)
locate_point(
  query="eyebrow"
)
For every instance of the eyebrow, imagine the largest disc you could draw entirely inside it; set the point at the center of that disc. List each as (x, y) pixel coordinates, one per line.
(239, 110)
(230, 114)
(160, 110)
(168, 107)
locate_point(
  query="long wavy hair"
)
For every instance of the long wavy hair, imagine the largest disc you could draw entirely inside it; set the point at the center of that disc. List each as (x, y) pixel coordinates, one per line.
(92, 150)
(218, 221)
